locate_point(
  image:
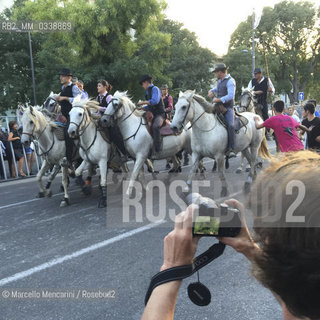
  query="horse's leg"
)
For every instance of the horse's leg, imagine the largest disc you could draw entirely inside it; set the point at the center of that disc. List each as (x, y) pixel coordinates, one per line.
(103, 165)
(176, 165)
(136, 169)
(195, 164)
(53, 174)
(78, 173)
(221, 170)
(65, 201)
(214, 168)
(87, 188)
(240, 168)
(43, 170)
(251, 160)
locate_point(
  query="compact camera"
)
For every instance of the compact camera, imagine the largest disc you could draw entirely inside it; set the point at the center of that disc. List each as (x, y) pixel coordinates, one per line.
(213, 219)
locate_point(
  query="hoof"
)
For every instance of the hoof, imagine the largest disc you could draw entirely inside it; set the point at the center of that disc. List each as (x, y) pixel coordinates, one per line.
(173, 170)
(64, 203)
(87, 190)
(41, 195)
(239, 170)
(259, 165)
(61, 188)
(49, 193)
(246, 187)
(224, 192)
(102, 202)
(227, 164)
(248, 169)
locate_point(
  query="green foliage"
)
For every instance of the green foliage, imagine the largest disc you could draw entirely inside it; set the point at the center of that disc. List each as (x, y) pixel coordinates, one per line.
(116, 40)
(290, 36)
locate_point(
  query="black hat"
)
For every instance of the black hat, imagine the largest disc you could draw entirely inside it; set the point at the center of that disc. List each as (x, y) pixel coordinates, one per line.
(144, 78)
(65, 72)
(257, 70)
(219, 67)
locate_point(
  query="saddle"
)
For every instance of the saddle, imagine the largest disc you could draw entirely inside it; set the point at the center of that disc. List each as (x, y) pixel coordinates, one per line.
(59, 132)
(239, 120)
(165, 129)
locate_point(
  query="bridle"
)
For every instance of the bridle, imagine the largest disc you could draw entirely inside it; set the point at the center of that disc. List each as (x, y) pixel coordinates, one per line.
(246, 93)
(116, 109)
(31, 135)
(193, 123)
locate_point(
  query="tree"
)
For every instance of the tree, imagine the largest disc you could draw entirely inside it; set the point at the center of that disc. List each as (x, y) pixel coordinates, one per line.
(289, 34)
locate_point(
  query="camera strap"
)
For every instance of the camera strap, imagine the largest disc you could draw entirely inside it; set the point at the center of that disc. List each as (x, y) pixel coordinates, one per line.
(185, 271)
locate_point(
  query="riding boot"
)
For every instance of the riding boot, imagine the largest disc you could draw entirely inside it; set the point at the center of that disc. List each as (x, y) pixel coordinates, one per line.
(66, 161)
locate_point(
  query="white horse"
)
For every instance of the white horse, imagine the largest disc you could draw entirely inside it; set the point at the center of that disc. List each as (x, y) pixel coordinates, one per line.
(209, 137)
(137, 139)
(247, 103)
(94, 150)
(37, 126)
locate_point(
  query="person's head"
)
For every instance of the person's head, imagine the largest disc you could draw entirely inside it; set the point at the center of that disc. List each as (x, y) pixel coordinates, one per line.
(278, 106)
(80, 85)
(308, 110)
(145, 81)
(220, 70)
(164, 90)
(65, 76)
(257, 74)
(13, 125)
(103, 86)
(286, 192)
(291, 110)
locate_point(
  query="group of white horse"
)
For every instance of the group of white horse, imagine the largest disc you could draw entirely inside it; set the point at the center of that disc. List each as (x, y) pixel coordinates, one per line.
(195, 128)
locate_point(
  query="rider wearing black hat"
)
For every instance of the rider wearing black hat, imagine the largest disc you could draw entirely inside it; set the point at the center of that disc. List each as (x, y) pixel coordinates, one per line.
(225, 94)
(68, 93)
(154, 104)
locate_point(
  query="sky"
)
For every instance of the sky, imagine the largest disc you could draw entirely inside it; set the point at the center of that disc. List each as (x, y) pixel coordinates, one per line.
(213, 21)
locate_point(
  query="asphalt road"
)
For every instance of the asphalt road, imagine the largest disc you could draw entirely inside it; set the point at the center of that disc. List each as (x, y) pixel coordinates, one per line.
(80, 249)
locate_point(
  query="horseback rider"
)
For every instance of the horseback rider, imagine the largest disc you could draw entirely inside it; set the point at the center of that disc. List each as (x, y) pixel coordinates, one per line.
(261, 87)
(167, 100)
(68, 93)
(104, 98)
(155, 104)
(225, 94)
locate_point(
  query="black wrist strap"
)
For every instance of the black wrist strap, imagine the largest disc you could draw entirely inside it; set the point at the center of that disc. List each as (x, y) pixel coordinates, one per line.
(182, 272)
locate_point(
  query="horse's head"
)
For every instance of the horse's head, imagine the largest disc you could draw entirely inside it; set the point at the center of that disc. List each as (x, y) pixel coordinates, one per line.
(32, 122)
(78, 117)
(114, 111)
(246, 98)
(51, 104)
(183, 111)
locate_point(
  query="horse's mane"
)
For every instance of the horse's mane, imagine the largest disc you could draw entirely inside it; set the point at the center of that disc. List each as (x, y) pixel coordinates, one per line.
(189, 94)
(125, 99)
(89, 105)
(39, 119)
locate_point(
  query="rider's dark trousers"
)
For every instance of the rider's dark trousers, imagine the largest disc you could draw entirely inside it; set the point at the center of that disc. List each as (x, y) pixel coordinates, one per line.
(229, 116)
(116, 137)
(69, 142)
(157, 123)
(265, 114)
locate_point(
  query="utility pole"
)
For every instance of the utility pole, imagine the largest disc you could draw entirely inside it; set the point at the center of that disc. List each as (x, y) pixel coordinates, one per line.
(253, 56)
(32, 71)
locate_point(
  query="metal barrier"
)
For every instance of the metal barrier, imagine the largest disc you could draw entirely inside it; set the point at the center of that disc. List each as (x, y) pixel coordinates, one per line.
(6, 162)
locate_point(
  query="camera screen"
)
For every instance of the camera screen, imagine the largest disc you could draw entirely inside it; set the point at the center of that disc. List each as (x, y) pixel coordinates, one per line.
(206, 225)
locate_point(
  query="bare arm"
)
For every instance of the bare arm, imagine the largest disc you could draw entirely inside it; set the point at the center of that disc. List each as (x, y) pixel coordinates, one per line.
(259, 125)
(304, 128)
(179, 249)
(10, 137)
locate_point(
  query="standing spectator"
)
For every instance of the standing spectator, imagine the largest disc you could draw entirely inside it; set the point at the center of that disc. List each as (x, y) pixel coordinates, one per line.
(284, 128)
(311, 122)
(3, 153)
(30, 156)
(5, 142)
(14, 137)
(84, 94)
(314, 102)
(292, 113)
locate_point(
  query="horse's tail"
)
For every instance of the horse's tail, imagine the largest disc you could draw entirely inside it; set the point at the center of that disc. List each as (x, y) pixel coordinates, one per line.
(263, 151)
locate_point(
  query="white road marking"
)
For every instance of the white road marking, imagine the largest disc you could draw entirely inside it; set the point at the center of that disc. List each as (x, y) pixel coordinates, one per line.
(76, 254)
